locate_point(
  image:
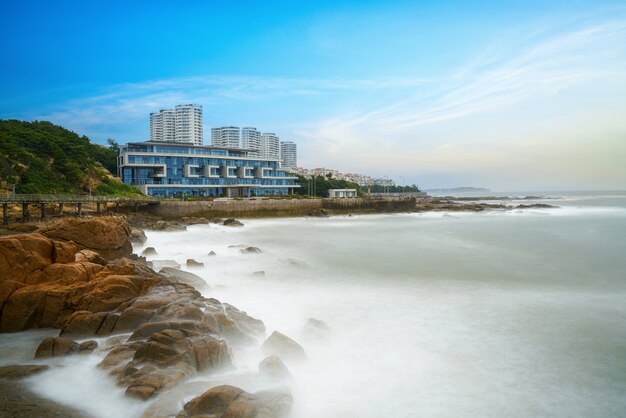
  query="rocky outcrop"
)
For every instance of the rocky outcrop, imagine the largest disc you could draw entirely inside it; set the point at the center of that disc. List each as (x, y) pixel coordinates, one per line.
(211, 253)
(231, 402)
(232, 222)
(108, 235)
(59, 346)
(280, 345)
(194, 221)
(165, 358)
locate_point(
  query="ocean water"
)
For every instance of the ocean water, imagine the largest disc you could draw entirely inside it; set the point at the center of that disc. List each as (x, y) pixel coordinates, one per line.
(494, 314)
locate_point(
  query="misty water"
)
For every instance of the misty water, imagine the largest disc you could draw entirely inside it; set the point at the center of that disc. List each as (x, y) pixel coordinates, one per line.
(516, 313)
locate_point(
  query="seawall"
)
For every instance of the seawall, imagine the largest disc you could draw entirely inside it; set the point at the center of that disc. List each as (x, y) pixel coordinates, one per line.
(260, 207)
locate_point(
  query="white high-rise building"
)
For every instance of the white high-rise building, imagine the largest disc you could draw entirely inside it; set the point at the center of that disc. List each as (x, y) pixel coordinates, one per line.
(225, 137)
(251, 139)
(270, 146)
(288, 153)
(181, 124)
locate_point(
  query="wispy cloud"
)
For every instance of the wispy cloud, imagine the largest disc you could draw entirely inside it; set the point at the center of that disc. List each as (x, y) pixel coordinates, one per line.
(545, 67)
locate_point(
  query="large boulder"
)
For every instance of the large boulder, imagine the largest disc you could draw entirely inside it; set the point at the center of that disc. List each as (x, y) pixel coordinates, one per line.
(280, 345)
(137, 236)
(107, 235)
(231, 402)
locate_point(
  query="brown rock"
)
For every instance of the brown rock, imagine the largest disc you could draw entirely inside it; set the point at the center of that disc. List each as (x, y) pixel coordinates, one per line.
(60, 346)
(231, 402)
(20, 371)
(137, 236)
(274, 368)
(194, 264)
(90, 256)
(149, 251)
(283, 346)
(106, 235)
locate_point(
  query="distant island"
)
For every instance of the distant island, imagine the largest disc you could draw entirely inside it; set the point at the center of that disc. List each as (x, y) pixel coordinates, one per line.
(459, 190)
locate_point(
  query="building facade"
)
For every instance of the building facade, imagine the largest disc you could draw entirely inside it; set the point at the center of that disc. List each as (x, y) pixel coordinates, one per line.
(251, 140)
(182, 124)
(270, 146)
(176, 170)
(225, 137)
(288, 154)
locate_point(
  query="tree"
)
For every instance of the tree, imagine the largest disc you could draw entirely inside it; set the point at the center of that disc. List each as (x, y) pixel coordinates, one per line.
(113, 145)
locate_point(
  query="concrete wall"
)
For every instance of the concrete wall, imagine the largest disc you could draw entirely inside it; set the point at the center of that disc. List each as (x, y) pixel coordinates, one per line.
(259, 207)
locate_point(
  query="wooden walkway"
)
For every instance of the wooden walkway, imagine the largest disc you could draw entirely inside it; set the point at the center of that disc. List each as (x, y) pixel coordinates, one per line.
(75, 200)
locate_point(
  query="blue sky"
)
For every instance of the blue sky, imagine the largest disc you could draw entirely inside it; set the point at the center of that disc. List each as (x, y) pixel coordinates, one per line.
(507, 95)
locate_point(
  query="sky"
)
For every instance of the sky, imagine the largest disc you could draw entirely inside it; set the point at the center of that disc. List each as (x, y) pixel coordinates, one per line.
(508, 95)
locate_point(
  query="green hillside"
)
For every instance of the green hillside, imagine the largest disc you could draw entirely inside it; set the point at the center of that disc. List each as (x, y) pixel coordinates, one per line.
(40, 157)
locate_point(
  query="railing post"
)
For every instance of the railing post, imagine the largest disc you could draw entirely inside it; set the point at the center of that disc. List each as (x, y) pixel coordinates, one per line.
(61, 209)
(25, 214)
(43, 210)
(98, 208)
(5, 213)
(79, 209)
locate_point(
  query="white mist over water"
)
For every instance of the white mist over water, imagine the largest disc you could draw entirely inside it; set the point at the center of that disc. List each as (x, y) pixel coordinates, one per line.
(519, 313)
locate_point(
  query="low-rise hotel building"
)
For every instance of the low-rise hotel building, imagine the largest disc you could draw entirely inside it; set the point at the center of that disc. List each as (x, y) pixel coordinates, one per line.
(175, 170)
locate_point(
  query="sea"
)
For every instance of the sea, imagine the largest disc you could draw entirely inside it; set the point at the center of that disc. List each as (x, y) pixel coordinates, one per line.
(512, 313)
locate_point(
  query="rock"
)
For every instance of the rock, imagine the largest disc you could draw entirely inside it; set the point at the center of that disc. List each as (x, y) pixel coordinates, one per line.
(259, 273)
(273, 368)
(164, 359)
(180, 276)
(211, 253)
(107, 235)
(194, 221)
(194, 264)
(20, 371)
(90, 256)
(137, 236)
(24, 254)
(159, 264)
(316, 329)
(320, 213)
(168, 226)
(149, 251)
(231, 402)
(284, 347)
(60, 346)
(250, 250)
(536, 206)
(232, 222)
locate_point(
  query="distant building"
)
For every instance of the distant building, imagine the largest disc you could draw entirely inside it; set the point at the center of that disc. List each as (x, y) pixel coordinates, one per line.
(251, 139)
(182, 124)
(177, 170)
(225, 137)
(288, 153)
(270, 146)
(341, 193)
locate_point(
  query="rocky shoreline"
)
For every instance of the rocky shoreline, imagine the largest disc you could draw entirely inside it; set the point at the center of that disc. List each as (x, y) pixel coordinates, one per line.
(155, 330)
